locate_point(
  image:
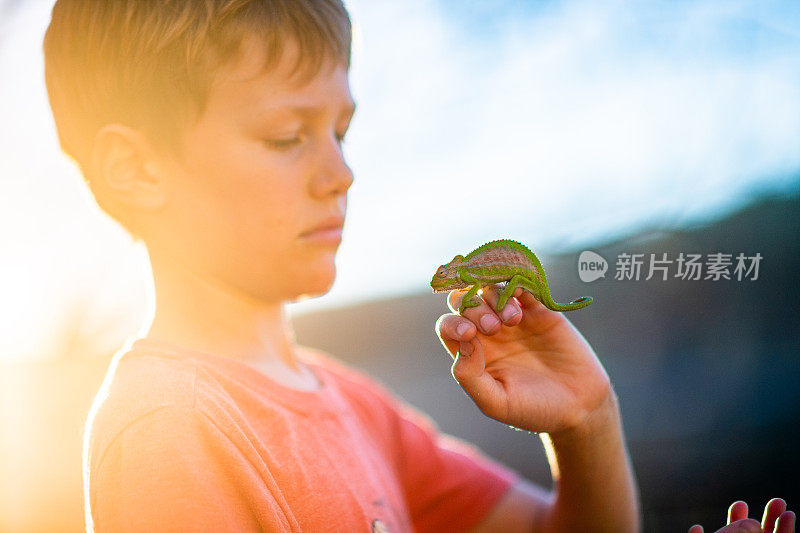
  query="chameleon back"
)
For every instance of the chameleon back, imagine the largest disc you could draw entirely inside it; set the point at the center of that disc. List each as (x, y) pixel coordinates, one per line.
(511, 258)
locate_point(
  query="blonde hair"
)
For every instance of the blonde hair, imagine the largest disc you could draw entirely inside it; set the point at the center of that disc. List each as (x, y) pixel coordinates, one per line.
(149, 64)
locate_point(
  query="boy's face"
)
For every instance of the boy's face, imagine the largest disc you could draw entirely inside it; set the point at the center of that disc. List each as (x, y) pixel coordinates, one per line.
(257, 176)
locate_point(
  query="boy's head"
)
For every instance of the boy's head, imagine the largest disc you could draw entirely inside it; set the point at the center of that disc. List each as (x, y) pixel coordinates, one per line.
(181, 116)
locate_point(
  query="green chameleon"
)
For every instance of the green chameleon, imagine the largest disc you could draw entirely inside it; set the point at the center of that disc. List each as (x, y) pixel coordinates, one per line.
(494, 262)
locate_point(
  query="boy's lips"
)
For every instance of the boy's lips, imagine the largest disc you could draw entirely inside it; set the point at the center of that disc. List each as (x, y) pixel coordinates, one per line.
(327, 231)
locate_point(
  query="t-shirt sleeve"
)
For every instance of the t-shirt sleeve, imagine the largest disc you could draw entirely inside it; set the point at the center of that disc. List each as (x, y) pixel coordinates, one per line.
(175, 470)
(450, 485)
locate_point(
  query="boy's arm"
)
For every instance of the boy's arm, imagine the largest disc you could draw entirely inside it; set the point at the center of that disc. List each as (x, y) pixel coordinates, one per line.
(533, 370)
(593, 485)
(519, 510)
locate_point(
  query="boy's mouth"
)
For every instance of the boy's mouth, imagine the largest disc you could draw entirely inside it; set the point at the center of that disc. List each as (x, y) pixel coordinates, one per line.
(327, 231)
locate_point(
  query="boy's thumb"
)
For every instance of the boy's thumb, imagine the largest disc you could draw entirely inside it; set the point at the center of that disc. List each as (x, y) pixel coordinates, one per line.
(469, 370)
(469, 362)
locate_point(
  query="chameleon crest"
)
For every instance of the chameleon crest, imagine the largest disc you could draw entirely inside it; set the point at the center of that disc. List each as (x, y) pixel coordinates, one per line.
(499, 261)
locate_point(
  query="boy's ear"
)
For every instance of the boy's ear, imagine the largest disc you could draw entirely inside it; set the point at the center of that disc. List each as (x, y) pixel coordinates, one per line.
(124, 169)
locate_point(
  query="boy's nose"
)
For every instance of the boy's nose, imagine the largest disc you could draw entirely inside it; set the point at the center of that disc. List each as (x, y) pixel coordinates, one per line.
(333, 174)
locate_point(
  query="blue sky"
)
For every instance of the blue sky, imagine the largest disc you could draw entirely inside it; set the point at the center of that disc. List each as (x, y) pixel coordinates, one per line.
(560, 124)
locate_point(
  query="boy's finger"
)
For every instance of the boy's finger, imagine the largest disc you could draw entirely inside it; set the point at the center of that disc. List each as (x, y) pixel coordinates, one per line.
(483, 316)
(447, 329)
(512, 312)
(531, 307)
(785, 522)
(525, 298)
(697, 528)
(455, 328)
(469, 370)
(455, 297)
(737, 511)
(745, 525)
(772, 511)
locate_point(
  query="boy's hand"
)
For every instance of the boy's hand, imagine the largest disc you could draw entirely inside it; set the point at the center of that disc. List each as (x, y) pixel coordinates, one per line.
(529, 368)
(776, 519)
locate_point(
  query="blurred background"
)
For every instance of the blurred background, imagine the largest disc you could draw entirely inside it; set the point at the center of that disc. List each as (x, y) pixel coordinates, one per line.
(616, 127)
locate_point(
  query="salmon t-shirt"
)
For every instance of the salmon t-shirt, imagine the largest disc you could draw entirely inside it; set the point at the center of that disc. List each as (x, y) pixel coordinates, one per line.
(190, 441)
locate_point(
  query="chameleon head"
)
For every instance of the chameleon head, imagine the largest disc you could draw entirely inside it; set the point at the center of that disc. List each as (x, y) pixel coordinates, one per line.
(446, 277)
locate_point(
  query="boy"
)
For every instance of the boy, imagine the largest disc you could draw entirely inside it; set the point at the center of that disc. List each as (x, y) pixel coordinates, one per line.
(212, 132)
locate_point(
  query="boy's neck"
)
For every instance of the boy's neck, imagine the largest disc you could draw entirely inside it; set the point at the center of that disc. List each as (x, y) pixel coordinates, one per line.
(268, 349)
(197, 314)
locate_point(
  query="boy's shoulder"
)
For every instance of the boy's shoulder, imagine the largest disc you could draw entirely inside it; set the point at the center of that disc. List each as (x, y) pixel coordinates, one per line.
(137, 384)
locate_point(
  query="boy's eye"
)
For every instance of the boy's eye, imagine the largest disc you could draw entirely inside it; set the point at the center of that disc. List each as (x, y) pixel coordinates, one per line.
(282, 144)
(285, 144)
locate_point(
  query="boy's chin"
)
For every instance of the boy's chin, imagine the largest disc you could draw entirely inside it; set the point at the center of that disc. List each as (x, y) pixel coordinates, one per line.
(307, 281)
(314, 288)
(311, 293)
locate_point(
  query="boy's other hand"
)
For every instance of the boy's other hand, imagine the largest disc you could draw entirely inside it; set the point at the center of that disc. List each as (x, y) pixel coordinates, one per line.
(776, 519)
(528, 367)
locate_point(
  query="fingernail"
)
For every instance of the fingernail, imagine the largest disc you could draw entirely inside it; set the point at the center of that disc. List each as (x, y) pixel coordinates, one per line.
(488, 322)
(509, 312)
(462, 329)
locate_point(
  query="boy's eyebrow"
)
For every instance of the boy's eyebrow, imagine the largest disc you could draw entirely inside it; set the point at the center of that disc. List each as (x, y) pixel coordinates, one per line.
(311, 110)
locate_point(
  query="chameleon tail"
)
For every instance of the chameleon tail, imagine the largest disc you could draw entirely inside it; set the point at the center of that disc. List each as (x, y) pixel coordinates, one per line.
(541, 292)
(544, 296)
(578, 303)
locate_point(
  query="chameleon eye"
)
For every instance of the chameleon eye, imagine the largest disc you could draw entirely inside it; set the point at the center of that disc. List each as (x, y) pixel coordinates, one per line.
(440, 272)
